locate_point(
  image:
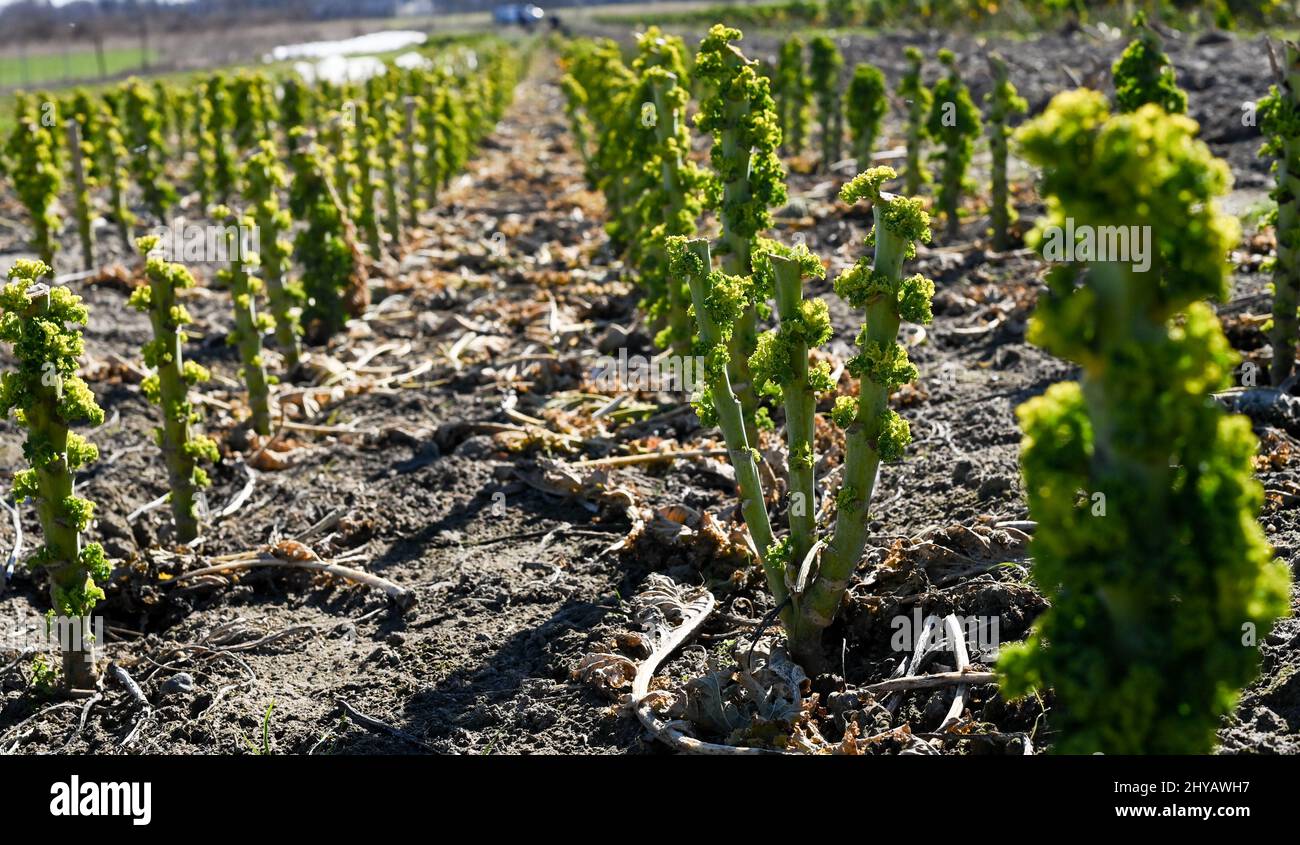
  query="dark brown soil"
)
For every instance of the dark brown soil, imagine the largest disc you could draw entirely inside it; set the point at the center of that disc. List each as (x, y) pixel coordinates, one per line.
(441, 484)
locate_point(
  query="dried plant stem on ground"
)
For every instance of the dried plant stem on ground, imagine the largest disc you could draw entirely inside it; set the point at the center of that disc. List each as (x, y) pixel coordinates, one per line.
(693, 608)
(401, 596)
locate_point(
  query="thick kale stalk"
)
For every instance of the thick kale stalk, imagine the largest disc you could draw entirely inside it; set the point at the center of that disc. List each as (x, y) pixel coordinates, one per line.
(295, 108)
(575, 106)
(1279, 120)
(337, 135)
(85, 110)
(1001, 104)
(87, 170)
(1143, 74)
(455, 147)
(780, 363)
(165, 96)
(265, 177)
(203, 177)
(250, 324)
(183, 105)
(114, 164)
(873, 431)
(413, 145)
(80, 152)
(719, 301)
(912, 91)
(825, 63)
(807, 577)
(389, 149)
(478, 120)
(643, 147)
(673, 198)
(955, 123)
(793, 92)
(641, 161)
(368, 184)
(333, 282)
(37, 179)
(615, 110)
(48, 397)
(249, 93)
(221, 118)
(1160, 581)
(680, 198)
(169, 386)
(740, 114)
(867, 105)
(145, 140)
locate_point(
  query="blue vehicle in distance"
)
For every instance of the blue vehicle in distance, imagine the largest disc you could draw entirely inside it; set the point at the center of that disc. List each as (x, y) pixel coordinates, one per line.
(526, 15)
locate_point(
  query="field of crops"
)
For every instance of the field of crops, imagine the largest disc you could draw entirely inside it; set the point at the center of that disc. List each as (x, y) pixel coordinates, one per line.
(70, 64)
(640, 389)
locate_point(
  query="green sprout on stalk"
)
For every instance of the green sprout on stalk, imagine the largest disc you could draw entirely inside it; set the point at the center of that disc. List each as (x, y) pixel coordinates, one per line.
(44, 110)
(955, 123)
(168, 387)
(48, 397)
(1001, 104)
